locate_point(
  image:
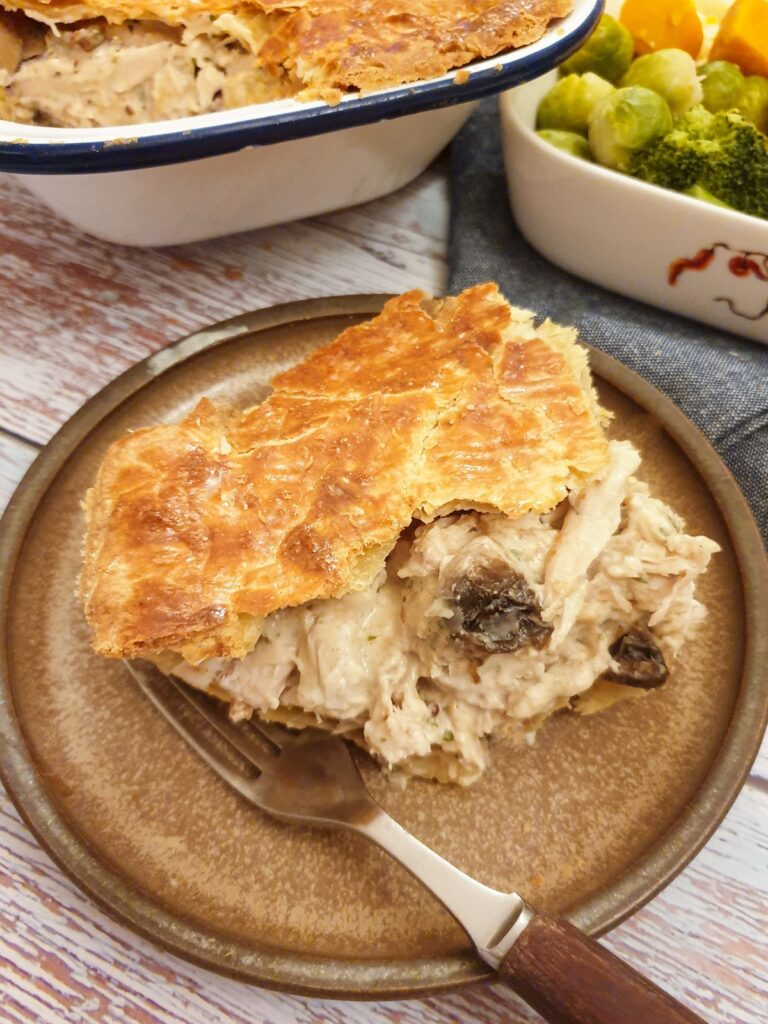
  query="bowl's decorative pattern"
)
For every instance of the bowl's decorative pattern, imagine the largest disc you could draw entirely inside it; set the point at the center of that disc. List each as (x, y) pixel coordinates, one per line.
(750, 301)
(651, 244)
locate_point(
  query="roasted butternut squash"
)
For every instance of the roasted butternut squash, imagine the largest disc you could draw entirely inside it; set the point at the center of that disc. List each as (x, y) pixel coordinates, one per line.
(743, 37)
(661, 24)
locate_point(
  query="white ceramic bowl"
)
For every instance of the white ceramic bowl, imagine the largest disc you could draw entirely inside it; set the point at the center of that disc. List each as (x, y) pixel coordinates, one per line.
(214, 174)
(651, 244)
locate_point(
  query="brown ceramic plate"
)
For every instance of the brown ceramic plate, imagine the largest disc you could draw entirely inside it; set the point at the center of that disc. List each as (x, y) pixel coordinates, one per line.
(592, 820)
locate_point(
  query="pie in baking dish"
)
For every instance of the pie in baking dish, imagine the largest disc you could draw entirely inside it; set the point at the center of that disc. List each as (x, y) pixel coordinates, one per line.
(89, 63)
(421, 538)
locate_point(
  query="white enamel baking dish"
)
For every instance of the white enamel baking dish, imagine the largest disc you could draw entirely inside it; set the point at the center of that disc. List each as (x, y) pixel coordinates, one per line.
(678, 253)
(214, 174)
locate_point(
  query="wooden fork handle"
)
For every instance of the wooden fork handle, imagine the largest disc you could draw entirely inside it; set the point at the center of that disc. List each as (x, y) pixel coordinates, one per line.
(571, 979)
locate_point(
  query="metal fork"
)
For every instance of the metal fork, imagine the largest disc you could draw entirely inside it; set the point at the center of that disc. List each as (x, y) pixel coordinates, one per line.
(311, 777)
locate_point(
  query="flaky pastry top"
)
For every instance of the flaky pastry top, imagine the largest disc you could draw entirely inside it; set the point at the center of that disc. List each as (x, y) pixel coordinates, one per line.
(329, 47)
(197, 530)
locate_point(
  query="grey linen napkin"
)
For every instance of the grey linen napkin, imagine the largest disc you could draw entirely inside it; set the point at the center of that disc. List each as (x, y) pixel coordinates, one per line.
(719, 380)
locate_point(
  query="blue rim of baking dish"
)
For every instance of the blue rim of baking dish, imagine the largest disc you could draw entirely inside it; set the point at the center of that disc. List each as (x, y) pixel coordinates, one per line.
(24, 155)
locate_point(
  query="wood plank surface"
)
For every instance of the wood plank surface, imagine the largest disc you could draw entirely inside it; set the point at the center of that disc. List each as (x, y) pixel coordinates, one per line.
(123, 304)
(76, 312)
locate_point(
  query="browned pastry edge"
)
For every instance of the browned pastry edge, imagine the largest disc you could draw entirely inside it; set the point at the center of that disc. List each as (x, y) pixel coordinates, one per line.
(331, 47)
(197, 530)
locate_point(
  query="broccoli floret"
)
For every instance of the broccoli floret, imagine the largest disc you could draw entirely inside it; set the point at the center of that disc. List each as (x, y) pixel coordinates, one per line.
(671, 161)
(676, 159)
(721, 153)
(698, 121)
(740, 177)
(698, 192)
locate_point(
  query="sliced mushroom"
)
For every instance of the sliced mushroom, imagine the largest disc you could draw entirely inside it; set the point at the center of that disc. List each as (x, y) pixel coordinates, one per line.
(639, 659)
(496, 610)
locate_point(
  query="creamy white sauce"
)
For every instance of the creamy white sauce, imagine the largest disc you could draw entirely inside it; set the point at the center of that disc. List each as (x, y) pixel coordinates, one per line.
(135, 73)
(383, 660)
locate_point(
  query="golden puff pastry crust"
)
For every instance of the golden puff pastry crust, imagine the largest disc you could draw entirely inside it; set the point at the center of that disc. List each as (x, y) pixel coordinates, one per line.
(196, 531)
(365, 45)
(329, 47)
(68, 12)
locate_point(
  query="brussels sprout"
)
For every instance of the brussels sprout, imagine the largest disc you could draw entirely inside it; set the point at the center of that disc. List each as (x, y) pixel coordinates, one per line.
(569, 103)
(607, 52)
(670, 73)
(722, 84)
(569, 142)
(626, 121)
(753, 103)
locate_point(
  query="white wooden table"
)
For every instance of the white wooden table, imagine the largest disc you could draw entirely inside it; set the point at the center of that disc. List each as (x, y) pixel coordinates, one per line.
(75, 312)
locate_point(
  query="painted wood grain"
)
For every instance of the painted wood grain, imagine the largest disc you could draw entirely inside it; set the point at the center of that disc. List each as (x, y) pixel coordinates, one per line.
(75, 313)
(80, 311)
(760, 767)
(15, 459)
(63, 959)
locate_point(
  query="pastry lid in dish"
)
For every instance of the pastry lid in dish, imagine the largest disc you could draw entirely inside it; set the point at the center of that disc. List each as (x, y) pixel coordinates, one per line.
(30, 149)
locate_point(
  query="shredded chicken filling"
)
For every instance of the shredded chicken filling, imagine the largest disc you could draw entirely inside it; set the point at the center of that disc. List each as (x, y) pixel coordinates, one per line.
(98, 74)
(62, 68)
(480, 624)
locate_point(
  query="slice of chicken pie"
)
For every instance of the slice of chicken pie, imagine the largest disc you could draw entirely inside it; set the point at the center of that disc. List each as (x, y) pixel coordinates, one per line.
(421, 538)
